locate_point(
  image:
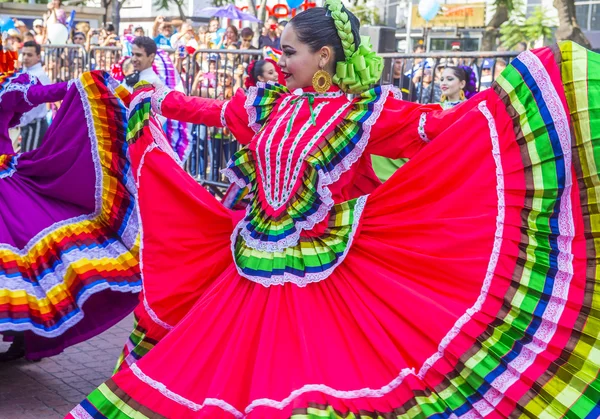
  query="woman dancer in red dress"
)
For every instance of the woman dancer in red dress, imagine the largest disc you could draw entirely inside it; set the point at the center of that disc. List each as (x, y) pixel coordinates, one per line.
(465, 286)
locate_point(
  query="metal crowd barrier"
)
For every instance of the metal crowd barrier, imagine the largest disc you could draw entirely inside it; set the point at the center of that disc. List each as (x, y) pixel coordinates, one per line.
(64, 62)
(214, 74)
(217, 74)
(415, 66)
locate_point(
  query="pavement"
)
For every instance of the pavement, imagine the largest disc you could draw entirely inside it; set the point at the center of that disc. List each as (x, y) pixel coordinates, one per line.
(49, 389)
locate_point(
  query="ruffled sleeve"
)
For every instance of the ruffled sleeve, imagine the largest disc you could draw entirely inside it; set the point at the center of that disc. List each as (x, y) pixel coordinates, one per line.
(22, 92)
(401, 131)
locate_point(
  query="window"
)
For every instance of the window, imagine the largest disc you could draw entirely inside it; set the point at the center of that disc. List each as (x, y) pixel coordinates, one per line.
(595, 17)
(582, 12)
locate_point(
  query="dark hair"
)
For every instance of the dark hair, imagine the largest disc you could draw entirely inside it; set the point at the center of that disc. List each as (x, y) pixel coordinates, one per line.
(146, 43)
(283, 23)
(466, 74)
(79, 34)
(246, 32)
(273, 18)
(38, 48)
(109, 27)
(315, 28)
(138, 27)
(416, 47)
(235, 30)
(258, 69)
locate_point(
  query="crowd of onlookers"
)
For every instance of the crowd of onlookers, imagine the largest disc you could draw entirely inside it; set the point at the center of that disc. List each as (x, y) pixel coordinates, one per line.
(207, 56)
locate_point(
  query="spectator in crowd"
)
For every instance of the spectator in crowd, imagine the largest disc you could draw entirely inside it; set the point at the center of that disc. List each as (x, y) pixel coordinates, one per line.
(55, 13)
(109, 37)
(28, 36)
(270, 39)
(21, 27)
(418, 63)
(486, 74)
(203, 35)
(402, 81)
(427, 90)
(184, 37)
(232, 59)
(521, 46)
(213, 29)
(281, 27)
(247, 35)
(139, 31)
(83, 27)
(40, 33)
(33, 123)
(231, 37)
(162, 32)
(14, 40)
(206, 79)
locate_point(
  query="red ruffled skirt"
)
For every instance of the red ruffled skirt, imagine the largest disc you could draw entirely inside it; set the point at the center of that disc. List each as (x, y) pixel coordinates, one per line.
(468, 291)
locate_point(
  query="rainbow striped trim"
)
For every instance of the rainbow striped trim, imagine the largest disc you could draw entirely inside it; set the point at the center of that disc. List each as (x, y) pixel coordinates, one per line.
(45, 284)
(8, 164)
(269, 249)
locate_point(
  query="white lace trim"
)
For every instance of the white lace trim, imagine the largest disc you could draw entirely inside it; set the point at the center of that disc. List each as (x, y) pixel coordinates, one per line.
(421, 129)
(251, 110)
(324, 180)
(308, 278)
(158, 97)
(223, 110)
(560, 291)
(397, 93)
(151, 313)
(80, 413)
(11, 171)
(160, 387)
(19, 87)
(275, 199)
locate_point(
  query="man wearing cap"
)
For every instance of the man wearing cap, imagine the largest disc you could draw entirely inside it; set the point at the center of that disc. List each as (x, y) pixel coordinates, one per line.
(33, 123)
(486, 73)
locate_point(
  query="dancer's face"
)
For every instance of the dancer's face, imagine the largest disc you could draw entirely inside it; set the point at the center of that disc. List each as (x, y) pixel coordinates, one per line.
(29, 56)
(451, 85)
(140, 59)
(299, 63)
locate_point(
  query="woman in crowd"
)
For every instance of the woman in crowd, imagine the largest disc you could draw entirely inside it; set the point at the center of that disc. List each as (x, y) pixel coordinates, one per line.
(463, 286)
(427, 90)
(69, 236)
(457, 84)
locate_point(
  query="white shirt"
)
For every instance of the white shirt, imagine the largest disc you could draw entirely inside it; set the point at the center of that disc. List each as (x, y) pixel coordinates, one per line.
(147, 75)
(39, 111)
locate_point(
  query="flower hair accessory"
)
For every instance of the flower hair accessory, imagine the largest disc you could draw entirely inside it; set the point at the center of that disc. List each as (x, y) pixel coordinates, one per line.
(362, 67)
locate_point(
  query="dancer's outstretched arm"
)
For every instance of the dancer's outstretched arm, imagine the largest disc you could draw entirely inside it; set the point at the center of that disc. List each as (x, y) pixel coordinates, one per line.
(198, 110)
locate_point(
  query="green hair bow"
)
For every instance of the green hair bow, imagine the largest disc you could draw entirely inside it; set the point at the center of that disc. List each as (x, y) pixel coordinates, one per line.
(362, 66)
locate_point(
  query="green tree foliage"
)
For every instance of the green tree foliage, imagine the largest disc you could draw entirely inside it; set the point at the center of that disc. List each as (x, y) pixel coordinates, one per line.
(520, 28)
(165, 5)
(367, 15)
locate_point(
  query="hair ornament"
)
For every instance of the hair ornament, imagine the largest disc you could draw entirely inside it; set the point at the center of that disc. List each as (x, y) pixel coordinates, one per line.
(362, 66)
